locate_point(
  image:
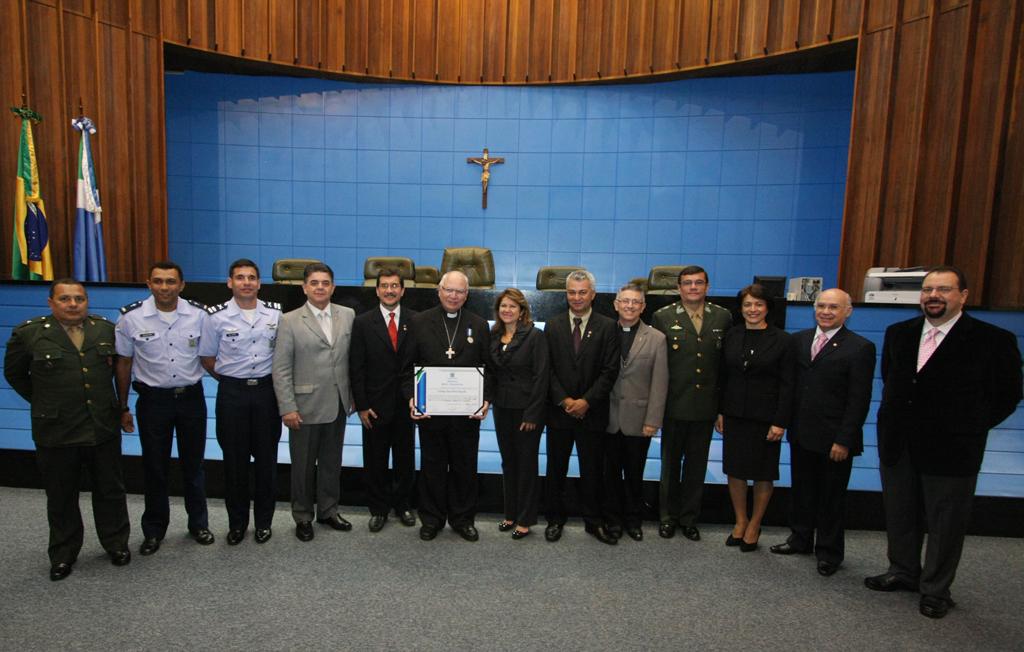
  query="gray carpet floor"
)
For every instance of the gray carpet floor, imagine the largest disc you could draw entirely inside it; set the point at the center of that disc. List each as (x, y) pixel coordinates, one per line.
(390, 590)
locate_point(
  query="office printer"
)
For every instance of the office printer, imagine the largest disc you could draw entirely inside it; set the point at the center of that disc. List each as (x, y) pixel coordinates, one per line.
(893, 284)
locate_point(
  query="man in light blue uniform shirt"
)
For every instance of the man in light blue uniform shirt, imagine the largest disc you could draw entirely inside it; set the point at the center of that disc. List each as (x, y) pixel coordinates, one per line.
(157, 340)
(237, 348)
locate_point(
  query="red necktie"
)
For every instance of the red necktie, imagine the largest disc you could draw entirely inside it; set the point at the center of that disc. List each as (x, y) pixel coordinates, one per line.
(393, 330)
(577, 336)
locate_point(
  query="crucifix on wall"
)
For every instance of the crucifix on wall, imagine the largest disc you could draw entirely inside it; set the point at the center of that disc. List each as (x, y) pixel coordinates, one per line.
(485, 162)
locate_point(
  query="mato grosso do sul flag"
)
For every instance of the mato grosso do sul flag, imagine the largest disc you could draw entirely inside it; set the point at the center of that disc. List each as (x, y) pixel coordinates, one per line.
(30, 246)
(90, 261)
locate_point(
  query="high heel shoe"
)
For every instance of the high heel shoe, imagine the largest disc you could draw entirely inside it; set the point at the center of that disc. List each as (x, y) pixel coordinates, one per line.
(520, 534)
(732, 541)
(505, 526)
(750, 547)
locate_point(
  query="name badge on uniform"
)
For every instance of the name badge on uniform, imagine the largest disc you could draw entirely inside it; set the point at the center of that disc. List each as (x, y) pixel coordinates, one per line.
(151, 334)
(232, 334)
(193, 342)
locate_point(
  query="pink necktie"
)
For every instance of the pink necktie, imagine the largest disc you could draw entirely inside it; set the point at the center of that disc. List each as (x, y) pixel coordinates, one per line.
(819, 344)
(928, 347)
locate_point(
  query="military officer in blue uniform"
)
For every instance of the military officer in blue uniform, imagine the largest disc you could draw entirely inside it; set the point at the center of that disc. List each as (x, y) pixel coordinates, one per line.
(157, 343)
(237, 348)
(62, 364)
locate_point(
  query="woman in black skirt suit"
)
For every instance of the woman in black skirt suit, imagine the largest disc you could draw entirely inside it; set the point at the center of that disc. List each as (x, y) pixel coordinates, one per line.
(519, 357)
(757, 379)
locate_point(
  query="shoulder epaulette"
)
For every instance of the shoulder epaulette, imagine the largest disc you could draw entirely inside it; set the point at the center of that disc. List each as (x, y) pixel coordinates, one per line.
(33, 320)
(663, 308)
(96, 317)
(273, 305)
(713, 306)
(213, 310)
(131, 306)
(196, 304)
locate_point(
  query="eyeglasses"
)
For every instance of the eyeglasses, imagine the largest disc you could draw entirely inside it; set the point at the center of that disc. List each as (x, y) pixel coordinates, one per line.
(942, 289)
(455, 291)
(389, 286)
(697, 284)
(630, 302)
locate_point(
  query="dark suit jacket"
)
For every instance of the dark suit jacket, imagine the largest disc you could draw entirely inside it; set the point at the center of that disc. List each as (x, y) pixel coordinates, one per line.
(833, 391)
(521, 373)
(942, 414)
(430, 341)
(761, 389)
(375, 368)
(589, 375)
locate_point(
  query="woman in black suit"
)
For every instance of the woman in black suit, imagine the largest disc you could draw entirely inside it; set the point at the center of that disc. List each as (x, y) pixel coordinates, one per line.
(757, 377)
(519, 357)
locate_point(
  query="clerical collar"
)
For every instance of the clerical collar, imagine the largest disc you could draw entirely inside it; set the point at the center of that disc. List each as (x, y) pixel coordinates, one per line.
(451, 315)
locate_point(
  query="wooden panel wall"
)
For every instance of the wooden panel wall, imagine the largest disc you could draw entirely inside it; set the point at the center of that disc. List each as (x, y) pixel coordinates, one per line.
(935, 165)
(108, 56)
(936, 154)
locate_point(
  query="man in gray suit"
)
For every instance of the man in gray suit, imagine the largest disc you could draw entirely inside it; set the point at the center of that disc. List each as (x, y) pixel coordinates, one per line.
(314, 397)
(635, 414)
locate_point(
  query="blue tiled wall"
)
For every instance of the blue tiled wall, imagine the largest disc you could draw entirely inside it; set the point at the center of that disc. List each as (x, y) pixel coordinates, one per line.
(743, 175)
(1002, 472)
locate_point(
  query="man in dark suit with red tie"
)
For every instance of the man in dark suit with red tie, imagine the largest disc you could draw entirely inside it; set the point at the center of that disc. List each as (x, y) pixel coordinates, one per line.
(584, 350)
(835, 367)
(378, 355)
(948, 379)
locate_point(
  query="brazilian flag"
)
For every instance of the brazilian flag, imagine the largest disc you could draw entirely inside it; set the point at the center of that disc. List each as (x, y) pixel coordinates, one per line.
(30, 248)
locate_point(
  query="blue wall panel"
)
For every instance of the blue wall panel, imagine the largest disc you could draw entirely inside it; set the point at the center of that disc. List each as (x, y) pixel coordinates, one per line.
(743, 175)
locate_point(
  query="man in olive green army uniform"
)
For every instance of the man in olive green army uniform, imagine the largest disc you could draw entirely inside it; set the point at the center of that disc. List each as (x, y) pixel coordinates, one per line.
(62, 364)
(693, 329)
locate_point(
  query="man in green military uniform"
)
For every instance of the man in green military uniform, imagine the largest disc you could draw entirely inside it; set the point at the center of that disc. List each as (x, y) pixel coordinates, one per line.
(693, 329)
(62, 364)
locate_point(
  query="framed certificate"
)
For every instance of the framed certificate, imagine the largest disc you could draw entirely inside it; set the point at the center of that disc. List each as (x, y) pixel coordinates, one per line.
(449, 391)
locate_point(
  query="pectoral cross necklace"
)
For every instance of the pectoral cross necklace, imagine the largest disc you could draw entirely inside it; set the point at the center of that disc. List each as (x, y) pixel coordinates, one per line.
(451, 336)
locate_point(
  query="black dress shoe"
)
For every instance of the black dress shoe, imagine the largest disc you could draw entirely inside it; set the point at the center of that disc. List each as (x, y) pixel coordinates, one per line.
(553, 532)
(120, 557)
(748, 547)
(505, 526)
(889, 582)
(732, 541)
(377, 522)
(934, 607)
(613, 531)
(335, 521)
(235, 537)
(667, 530)
(406, 517)
(690, 532)
(601, 534)
(520, 534)
(468, 532)
(59, 571)
(428, 532)
(263, 534)
(149, 546)
(826, 568)
(203, 536)
(304, 531)
(635, 533)
(787, 548)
